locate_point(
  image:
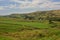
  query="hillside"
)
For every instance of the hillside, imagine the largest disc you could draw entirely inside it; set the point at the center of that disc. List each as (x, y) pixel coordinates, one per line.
(40, 25)
(36, 14)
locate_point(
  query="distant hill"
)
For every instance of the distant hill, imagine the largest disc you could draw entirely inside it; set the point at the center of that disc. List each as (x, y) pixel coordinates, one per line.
(37, 15)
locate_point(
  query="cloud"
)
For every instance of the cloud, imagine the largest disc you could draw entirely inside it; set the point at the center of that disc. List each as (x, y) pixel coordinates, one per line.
(33, 4)
(20, 1)
(41, 4)
(11, 6)
(7, 7)
(24, 4)
(54, 5)
(2, 8)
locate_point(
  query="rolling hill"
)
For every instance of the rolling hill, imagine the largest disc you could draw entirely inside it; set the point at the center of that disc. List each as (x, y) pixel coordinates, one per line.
(40, 25)
(36, 14)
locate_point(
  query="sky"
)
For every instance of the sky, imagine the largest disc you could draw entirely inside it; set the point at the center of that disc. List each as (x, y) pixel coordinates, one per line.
(25, 6)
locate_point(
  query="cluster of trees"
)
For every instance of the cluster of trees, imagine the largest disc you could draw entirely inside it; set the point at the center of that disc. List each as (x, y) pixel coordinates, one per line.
(32, 18)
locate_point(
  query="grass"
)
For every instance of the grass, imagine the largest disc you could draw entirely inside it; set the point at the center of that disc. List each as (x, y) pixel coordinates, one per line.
(12, 26)
(15, 29)
(5, 38)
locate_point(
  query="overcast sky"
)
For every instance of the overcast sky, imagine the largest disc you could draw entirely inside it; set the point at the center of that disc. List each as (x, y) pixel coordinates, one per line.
(23, 6)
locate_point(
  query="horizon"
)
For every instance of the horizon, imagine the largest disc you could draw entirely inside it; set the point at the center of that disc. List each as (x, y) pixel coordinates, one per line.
(27, 6)
(26, 12)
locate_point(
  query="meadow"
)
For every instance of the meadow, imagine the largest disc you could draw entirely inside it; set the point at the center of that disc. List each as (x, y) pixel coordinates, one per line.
(15, 29)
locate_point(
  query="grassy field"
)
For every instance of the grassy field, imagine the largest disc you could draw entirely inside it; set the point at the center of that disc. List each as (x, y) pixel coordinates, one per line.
(15, 29)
